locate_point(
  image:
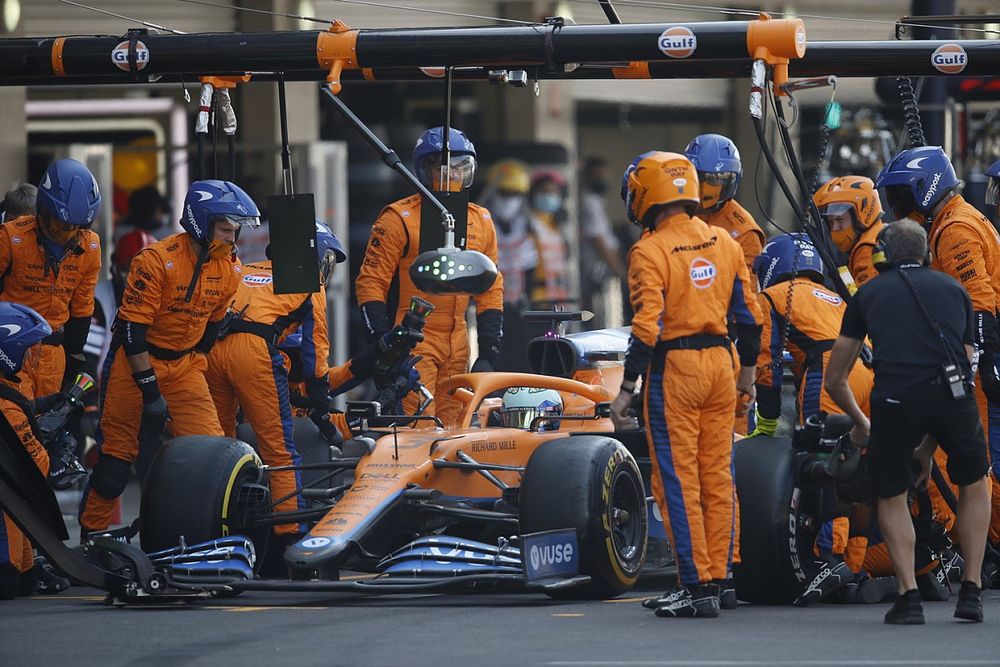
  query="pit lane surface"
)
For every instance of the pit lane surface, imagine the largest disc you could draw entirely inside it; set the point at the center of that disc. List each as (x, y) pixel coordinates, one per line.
(75, 628)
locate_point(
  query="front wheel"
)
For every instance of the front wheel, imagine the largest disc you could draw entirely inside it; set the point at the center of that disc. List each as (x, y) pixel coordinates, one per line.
(197, 489)
(591, 484)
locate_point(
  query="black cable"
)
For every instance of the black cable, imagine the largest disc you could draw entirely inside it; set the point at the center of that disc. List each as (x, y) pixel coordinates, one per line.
(213, 121)
(231, 141)
(911, 112)
(200, 162)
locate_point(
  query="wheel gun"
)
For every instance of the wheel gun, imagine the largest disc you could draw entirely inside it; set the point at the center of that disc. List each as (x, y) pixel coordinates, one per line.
(64, 467)
(393, 365)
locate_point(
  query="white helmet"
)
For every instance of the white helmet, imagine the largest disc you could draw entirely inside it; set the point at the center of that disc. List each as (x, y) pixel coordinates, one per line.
(523, 404)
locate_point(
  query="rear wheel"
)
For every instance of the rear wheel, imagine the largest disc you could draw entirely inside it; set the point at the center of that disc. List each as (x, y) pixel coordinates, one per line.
(776, 529)
(591, 484)
(200, 488)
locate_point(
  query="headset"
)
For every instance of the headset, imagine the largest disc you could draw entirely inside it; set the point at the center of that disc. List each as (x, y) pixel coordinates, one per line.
(883, 259)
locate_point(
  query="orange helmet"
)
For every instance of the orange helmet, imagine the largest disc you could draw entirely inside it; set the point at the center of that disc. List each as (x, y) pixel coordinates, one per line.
(128, 246)
(660, 178)
(510, 175)
(848, 195)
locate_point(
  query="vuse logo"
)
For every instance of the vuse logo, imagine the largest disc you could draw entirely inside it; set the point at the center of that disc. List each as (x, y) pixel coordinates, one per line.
(677, 42)
(703, 272)
(119, 55)
(551, 554)
(949, 58)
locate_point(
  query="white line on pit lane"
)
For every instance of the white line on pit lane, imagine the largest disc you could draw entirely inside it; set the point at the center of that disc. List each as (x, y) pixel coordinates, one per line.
(769, 663)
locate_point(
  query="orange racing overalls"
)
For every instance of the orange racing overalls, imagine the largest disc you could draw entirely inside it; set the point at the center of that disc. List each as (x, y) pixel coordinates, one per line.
(60, 289)
(385, 279)
(685, 280)
(154, 298)
(246, 371)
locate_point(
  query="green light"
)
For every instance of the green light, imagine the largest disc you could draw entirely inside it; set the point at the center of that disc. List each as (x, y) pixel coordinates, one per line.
(451, 272)
(436, 272)
(437, 264)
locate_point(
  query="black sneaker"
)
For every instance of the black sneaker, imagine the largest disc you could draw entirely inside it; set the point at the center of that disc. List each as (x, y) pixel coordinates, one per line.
(934, 585)
(879, 589)
(906, 610)
(700, 601)
(665, 599)
(727, 593)
(970, 603)
(833, 575)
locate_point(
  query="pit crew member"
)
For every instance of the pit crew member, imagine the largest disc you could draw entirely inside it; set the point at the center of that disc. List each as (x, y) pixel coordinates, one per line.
(176, 296)
(247, 372)
(922, 326)
(50, 262)
(850, 207)
(685, 280)
(385, 279)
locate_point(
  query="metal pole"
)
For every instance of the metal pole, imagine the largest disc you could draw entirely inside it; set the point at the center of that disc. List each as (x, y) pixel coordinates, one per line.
(286, 154)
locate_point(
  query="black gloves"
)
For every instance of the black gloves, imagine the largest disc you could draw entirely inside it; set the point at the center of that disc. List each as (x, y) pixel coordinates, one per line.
(318, 394)
(989, 375)
(154, 406)
(375, 316)
(489, 352)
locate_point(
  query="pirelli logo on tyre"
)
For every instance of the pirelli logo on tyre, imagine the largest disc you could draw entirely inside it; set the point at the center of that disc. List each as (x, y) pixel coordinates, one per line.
(703, 272)
(949, 58)
(677, 42)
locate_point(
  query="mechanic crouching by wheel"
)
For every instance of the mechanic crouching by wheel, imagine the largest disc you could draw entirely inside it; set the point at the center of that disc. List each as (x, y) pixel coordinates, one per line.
(246, 371)
(922, 326)
(176, 296)
(686, 279)
(385, 275)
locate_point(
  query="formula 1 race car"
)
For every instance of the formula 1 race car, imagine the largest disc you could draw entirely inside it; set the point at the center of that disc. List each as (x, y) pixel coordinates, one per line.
(428, 508)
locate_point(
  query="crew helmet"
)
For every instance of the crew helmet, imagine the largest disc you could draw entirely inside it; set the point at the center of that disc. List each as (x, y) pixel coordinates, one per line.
(509, 176)
(916, 180)
(785, 257)
(993, 184)
(657, 178)
(521, 405)
(427, 160)
(20, 328)
(211, 200)
(68, 192)
(853, 195)
(329, 249)
(717, 161)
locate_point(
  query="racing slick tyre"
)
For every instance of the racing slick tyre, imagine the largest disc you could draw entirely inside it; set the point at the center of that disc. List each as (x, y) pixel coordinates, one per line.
(200, 488)
(311, 446)
(774, 545)
(593, 484)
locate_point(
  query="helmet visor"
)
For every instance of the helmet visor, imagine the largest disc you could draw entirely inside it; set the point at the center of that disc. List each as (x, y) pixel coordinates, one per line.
(456, 176)
(717, 187)
(521, 417)
(993, 190)
(326, 265)
(901, 201)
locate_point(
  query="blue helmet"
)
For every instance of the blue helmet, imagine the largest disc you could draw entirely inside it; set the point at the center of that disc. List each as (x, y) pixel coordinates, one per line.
(329, 249)
(626, 196)
(20, 328)
(717, 161)
(785, 257)
(427, 158)
(916, 180)
(207, 200)
(993, 183)
(68, 192)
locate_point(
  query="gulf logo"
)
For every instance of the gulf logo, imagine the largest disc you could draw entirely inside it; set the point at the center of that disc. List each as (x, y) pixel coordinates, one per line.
(949, 58)
(829, 298)
(703, 272)
(257, 279)
(677, 42)
(119, 55)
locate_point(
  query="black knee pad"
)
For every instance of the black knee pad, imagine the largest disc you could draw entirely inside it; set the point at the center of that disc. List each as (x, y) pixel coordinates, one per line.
(110, 476)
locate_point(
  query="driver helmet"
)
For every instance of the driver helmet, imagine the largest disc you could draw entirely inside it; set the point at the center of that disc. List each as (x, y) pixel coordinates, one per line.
(523, 404)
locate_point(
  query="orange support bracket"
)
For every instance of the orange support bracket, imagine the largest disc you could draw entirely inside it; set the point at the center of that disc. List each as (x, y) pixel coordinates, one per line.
(776, 42)
(220, 82)
(336, 51)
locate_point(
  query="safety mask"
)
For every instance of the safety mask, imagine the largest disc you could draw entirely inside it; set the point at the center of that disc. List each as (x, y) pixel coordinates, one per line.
(505, 207)
(841, 220)
(57, 231)
(547, 202)
(221, 250)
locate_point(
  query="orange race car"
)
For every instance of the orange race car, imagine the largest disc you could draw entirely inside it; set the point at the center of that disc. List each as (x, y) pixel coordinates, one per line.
(514, 495)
